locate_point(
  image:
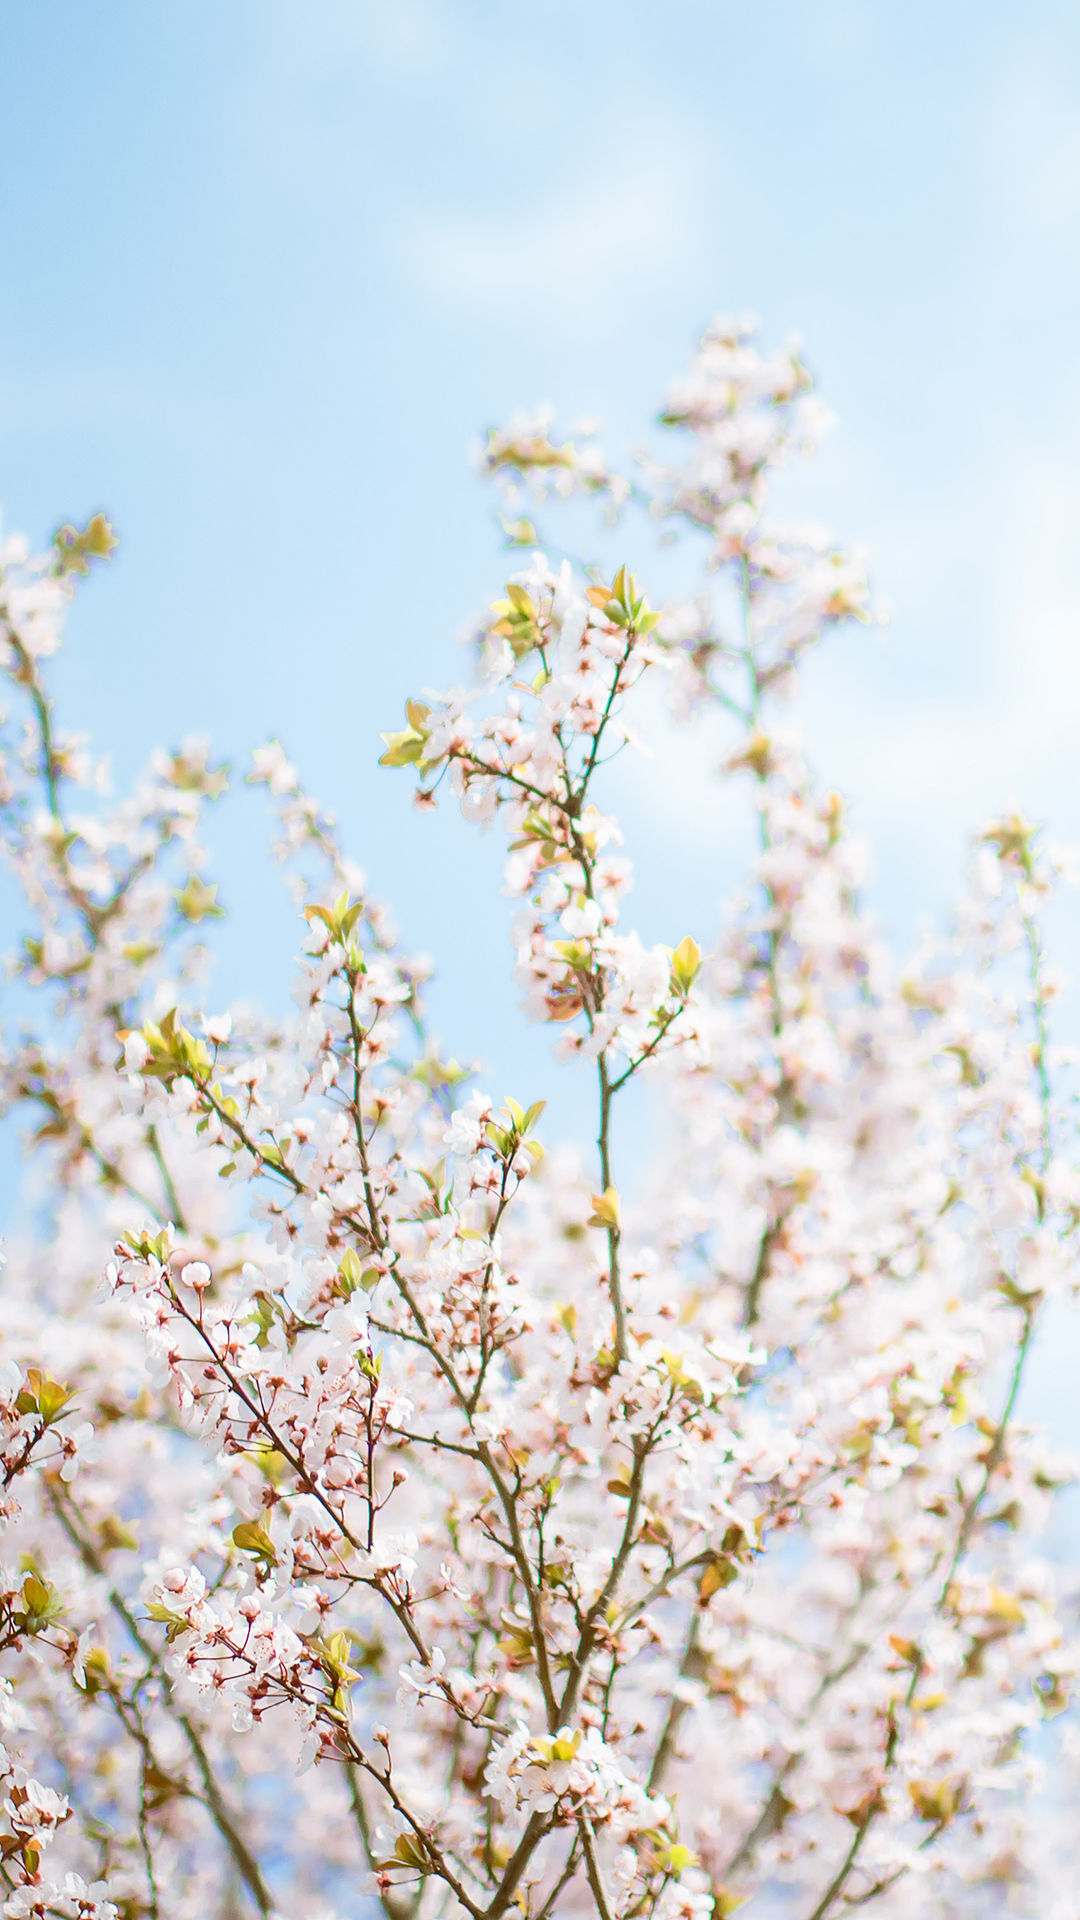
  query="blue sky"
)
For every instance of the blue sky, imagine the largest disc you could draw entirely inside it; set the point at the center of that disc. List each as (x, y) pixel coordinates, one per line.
(269, 267)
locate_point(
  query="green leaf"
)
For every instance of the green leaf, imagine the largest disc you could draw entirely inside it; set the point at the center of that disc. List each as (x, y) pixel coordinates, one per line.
(114, 1533)
(43, 1395)
(75, 547)
(403, 749)
(41, 1605)
(263, 1317)
(435, 1073)
(575, 953)
(605, 1211)
(350, 1271)
(175, 1622)
(251, 1537)
(322, 913)
(718, 1574)
(197, 901)
(677, 1857)
(410, 1852)
(96, 1670)
(520, 533)
(685, 965)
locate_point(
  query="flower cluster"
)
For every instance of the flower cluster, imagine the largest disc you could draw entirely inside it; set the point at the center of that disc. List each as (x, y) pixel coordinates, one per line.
(569, 1776)
(461, 1525)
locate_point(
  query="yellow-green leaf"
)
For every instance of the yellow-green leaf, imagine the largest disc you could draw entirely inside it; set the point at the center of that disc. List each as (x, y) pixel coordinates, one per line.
(718, 1574)
(115, 1533)
(251, 1537)
(685, 965)
(75, 547)
(605, 1211)
(403, 749)
(197, 901)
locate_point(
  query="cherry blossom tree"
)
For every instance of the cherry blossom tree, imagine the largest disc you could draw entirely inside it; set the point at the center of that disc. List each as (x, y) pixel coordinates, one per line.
(405, 1512)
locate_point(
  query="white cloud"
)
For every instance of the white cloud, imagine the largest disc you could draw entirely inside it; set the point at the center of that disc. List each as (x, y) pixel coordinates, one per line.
(395, 42)
(1035, 138)
(571, 263)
